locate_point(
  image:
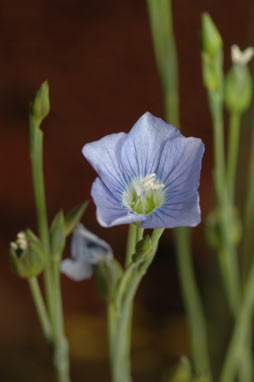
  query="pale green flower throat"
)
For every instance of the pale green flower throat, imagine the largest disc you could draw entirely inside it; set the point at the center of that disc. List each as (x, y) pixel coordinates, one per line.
(143, 195)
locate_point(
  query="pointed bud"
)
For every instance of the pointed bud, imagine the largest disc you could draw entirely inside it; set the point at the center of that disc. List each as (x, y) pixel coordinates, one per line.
(238, 83)
(214, 236)
(211, 41)
(143, 249)
(107, 274)
(26, 255)
(40, 107)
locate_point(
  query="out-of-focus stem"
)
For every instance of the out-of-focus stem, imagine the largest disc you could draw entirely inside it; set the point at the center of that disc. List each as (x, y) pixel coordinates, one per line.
(238, 340)
(233, 147)
(160, 15)
(161, 23)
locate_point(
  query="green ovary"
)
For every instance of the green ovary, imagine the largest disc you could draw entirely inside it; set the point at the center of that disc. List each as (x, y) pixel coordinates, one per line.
(143, 196)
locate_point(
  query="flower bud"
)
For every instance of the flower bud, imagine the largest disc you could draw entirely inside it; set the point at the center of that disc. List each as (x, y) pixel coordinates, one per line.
(26, 255)
(143, 249)
(213, 232)
(238, 83)
(107, 275)
(40, 107)
(211, 41)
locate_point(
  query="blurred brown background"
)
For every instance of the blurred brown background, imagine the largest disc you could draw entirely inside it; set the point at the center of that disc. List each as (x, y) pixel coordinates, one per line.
(98, 58)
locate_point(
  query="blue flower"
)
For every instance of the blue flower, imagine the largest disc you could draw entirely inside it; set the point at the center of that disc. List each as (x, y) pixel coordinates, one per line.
(86, 251)
(150, 175)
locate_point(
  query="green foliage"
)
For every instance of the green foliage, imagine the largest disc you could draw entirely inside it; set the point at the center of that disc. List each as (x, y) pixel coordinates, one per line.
(57, 236)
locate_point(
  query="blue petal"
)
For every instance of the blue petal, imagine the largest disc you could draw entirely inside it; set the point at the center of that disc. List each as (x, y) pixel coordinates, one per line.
(109, 210)
(182, 214)
(76, 270)
(86, 245)
(141, 150)
(87, 250)
(179, 169)
(104, 156)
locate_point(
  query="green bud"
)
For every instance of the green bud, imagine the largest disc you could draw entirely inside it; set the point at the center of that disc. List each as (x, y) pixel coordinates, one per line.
(107, 274)
(209, 72)
(26, 255)
(143, 249)
(213, 233)
(40, 107)
(211, 41)
(238, 89)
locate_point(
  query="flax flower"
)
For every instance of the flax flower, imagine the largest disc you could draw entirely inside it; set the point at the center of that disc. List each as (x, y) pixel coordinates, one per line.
(150, 175)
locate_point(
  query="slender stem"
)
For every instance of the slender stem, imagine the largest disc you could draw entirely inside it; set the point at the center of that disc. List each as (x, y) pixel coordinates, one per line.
(192, 302)
(51, 272)
(238, 340)
(233, 147)
(36, 155)
(131, 243)
(160, 15)
(228, 261)
(40, 308)
(119, 326)
(61, 356)
(165, 52)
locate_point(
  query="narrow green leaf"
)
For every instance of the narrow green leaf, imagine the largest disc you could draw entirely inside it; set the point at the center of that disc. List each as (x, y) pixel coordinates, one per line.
(57, 236)
(73, 217)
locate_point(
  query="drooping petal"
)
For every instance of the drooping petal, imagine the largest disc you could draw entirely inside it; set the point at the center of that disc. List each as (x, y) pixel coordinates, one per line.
(87, 250)
(104, 156)
(142, 148)
(87, 245)
(110, 210)
(76, 270)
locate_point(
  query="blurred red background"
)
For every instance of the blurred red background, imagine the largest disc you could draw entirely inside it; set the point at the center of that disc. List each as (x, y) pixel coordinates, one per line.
(98, 59)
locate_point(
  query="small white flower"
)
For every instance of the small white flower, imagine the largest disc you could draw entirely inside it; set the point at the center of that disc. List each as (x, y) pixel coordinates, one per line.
(241, 57)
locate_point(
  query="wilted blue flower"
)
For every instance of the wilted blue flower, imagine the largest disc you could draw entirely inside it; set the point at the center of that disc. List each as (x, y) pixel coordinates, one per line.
(150, 175)
(86, 251)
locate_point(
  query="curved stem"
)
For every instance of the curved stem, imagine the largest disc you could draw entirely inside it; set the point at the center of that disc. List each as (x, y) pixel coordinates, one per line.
(192, 302)
(238, 340)
(40, 308)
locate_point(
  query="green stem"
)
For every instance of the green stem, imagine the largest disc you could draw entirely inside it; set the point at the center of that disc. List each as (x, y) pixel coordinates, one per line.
(61, 348)
(51, 277)
(119, 326)
(131, 243)
(238, 340)
(228, 261)
(192, 302)
(233, 147)
(36, 155)
(160, 15)
(40, 308)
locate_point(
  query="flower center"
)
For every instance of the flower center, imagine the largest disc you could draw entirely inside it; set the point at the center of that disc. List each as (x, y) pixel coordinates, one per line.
(143, 195)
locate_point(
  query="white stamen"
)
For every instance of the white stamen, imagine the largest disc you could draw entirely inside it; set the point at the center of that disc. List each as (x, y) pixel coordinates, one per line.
(144, 195)
(22, 241)
(241, 57)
